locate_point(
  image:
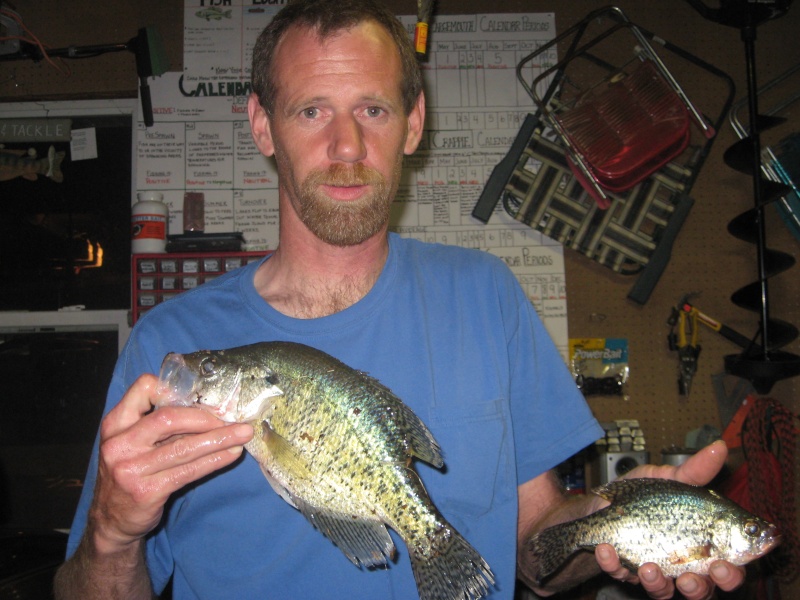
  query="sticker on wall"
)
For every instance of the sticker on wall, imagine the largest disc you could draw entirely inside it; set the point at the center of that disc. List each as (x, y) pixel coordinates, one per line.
(600, 366)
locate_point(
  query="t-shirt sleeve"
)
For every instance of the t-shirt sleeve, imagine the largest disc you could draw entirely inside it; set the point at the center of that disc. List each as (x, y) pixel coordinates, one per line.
(551, 419)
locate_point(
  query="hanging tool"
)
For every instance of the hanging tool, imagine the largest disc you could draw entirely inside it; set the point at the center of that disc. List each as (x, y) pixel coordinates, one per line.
(685, 342)
(424, 14)
(686, 318)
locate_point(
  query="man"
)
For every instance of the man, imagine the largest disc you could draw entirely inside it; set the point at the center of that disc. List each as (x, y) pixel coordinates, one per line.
(338, 102)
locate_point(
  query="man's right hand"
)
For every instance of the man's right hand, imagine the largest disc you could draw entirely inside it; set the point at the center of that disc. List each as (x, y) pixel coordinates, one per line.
(145, 456)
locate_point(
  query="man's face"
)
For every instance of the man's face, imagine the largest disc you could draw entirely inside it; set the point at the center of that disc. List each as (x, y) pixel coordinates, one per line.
(339, 131)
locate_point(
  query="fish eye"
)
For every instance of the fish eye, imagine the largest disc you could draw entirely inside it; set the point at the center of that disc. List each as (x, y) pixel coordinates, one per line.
(752, 528)
(271, 378)
(208, 366)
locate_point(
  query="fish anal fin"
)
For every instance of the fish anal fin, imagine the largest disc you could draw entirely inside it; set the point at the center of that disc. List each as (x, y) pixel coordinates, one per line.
(365, 542)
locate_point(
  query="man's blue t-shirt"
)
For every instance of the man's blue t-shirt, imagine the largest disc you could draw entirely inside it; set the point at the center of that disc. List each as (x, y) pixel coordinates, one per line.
(451, 332)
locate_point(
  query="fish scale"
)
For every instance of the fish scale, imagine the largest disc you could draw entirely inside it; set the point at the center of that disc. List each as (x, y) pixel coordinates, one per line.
(337, 445)
(679, 527)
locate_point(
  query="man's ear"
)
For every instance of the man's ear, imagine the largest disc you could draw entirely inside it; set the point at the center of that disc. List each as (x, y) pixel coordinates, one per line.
(416, 120)
(259, 126)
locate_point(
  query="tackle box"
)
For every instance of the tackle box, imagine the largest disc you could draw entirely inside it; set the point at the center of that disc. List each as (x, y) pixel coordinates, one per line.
(159, 277)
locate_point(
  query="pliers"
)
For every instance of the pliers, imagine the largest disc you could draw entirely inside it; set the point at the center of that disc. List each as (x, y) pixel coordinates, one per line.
(685, 317)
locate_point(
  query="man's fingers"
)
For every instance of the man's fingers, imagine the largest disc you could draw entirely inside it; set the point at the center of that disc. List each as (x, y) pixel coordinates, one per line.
(699, 469)
(655, 583)
(175, 477)
(702, 467)
(728, 577)
(174, 441)
(133, 406)
(609, 562)
(695, 587)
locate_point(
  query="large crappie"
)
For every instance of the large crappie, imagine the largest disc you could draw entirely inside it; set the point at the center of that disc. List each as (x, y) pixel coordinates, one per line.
(682, 528)
(337, 445)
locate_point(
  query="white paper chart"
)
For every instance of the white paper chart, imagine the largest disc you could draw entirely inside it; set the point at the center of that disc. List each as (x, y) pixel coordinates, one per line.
(201, 139)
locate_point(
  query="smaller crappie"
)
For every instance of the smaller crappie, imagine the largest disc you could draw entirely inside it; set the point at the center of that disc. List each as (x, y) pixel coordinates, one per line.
(681, 528)
(338, 446)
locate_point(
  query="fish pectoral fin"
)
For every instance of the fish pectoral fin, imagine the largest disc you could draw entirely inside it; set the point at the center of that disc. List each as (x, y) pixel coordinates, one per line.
(284, 453)
(363, 541)
(628, 564)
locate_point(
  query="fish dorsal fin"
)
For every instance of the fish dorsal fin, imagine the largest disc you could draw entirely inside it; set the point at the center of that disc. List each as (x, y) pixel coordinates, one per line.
(622, 489)
(617, 490)
(421, 442)
(386, 407)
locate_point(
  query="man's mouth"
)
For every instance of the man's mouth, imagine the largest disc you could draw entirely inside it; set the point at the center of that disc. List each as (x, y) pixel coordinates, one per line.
(344, 193)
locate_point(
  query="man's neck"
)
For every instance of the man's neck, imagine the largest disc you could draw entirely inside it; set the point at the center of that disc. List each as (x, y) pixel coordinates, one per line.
(306, 278)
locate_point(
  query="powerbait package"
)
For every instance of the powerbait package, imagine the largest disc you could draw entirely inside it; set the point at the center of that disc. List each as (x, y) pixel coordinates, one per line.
(600, 366)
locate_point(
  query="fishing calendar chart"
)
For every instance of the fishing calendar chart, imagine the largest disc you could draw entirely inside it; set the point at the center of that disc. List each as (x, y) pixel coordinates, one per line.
(201, 142)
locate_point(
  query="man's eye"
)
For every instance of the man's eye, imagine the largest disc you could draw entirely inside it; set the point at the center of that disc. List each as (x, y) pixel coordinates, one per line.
(374, 111)
(310, 113)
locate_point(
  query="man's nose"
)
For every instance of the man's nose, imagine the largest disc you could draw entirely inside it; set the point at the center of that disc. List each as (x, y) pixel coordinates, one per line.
(346, 139)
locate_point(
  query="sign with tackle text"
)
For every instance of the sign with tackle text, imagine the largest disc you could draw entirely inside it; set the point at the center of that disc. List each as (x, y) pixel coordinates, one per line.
(35, 130)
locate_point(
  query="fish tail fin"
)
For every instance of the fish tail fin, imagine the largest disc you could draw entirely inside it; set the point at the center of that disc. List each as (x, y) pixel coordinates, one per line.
(452, 569)
(550, 548)
(54, 170)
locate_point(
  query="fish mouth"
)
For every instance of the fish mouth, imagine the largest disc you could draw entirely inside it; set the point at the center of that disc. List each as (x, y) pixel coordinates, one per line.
(772, 538)
(177, 383)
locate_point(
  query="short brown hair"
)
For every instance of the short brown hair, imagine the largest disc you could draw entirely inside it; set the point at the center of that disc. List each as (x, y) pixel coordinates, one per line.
(328, 17)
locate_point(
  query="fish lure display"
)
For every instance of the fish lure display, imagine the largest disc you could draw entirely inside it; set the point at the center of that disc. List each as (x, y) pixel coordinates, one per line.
(18, 163)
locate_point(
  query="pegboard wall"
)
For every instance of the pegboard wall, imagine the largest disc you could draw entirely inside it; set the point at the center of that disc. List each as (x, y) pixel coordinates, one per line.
(86, 23)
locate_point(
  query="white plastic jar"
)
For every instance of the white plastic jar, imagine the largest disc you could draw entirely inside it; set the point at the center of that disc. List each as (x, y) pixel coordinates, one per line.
(149, 223)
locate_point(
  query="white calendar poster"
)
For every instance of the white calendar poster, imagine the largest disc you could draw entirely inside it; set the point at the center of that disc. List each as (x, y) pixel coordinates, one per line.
(201, 139)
